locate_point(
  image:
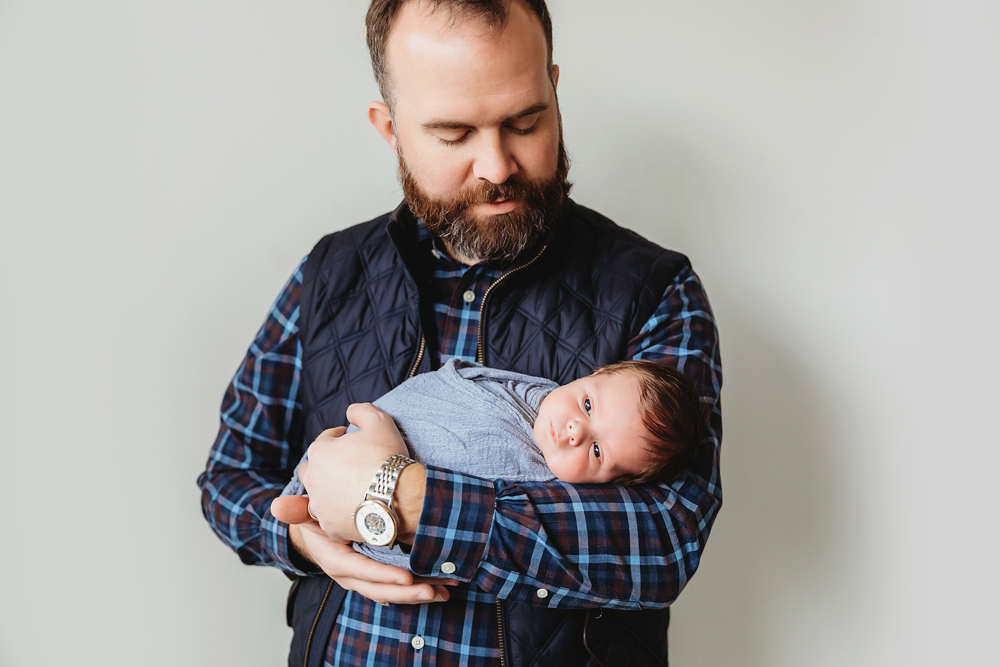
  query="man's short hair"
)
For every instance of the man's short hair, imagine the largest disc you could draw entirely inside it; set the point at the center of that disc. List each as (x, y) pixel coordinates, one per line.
(492, 12)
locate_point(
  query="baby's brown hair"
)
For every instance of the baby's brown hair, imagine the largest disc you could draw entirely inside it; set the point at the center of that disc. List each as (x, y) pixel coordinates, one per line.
(671, 412)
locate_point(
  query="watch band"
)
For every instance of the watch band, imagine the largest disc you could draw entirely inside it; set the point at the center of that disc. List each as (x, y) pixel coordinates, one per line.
(384, 484)
(374, 518)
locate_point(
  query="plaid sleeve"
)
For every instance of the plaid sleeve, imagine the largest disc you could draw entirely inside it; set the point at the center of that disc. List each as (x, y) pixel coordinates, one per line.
(563, 545)
(260, 439)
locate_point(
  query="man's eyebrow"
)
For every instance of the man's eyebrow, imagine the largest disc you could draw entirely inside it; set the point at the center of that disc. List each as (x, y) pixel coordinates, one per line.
(451, 125)
(537, 108)
(444, 125)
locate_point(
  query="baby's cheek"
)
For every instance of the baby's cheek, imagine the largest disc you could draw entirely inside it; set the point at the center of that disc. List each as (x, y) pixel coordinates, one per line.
(555, 465)
(566, 471)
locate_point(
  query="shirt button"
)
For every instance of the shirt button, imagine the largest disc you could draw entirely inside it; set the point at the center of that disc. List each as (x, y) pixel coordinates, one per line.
(436, 254)
(469, 296)
(542, 593)
(448, 568)
(417, 642)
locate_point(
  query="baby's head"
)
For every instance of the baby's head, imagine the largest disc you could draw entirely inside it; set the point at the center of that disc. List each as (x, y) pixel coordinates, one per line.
(630, 423)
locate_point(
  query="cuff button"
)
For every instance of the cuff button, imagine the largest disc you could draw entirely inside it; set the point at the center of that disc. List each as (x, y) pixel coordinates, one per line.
(448, 568)
(542, 593)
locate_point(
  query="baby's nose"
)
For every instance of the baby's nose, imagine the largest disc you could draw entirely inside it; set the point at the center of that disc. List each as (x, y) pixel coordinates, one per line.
(576, 433)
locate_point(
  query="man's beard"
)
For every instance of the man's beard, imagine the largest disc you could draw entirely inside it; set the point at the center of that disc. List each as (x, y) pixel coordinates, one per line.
(503, 236)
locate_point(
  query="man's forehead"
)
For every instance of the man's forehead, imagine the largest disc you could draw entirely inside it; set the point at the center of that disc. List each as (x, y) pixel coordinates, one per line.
(444, 61)
(488, 107)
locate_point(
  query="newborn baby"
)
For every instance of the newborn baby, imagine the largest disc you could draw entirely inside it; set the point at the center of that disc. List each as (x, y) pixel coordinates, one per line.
(628, 423)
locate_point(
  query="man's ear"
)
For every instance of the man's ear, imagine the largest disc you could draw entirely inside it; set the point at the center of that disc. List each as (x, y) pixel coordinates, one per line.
(555, 76)
(381, 119)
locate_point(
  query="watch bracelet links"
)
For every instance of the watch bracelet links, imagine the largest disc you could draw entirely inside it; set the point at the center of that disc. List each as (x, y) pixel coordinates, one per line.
(385, 479)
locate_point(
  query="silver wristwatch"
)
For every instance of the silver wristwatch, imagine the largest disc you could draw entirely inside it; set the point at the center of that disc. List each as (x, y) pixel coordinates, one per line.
(374, 517)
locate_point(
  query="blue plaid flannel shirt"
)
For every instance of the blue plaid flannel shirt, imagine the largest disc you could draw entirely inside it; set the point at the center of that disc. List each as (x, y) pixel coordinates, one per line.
(584, 545)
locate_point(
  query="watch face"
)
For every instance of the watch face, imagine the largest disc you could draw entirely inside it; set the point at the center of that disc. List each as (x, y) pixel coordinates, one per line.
(376, 523)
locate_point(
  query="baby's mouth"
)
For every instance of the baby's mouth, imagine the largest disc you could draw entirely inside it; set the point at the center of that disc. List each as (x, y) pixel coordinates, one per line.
(552, 434)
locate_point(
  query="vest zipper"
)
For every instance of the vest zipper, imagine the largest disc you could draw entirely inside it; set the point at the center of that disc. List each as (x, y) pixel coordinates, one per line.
(413, 372)
(420, 357)
(586, 645)
(481, 358)
(322, 604)
(319, 611)
(480, 350)
(500, 634)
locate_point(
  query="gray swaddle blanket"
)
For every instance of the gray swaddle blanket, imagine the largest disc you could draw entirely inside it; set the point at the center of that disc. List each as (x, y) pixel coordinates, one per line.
(467, 418)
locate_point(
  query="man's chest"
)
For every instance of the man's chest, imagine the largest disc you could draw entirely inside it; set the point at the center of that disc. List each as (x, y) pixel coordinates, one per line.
(458, 294)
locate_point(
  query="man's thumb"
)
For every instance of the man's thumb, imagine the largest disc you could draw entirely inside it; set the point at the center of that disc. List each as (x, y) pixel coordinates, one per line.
(363, 415)
(291, 509)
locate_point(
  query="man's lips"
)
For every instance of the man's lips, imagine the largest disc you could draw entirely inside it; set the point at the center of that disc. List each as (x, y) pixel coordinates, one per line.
(500, 206)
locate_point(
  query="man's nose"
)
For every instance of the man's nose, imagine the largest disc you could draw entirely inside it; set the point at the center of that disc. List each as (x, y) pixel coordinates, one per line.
(494, 161)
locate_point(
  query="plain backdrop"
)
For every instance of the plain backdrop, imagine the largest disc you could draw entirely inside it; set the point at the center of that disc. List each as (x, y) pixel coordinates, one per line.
(830, 166)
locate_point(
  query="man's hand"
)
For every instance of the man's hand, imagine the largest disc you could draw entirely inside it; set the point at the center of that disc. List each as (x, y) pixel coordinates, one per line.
(341, 468)
(337, 476)
(353, 571)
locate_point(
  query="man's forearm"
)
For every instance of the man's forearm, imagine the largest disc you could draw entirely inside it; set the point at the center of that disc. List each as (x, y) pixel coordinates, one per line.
(556, 544)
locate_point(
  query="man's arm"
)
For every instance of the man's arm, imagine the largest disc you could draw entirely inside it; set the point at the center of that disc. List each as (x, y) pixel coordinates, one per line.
(259, 439)
(254, 456)
(589, 545)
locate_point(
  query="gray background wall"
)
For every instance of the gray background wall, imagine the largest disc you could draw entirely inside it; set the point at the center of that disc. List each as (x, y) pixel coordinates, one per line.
(830, 167)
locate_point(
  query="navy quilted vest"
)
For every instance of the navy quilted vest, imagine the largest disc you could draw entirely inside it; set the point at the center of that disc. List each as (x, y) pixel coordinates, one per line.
(573, 304)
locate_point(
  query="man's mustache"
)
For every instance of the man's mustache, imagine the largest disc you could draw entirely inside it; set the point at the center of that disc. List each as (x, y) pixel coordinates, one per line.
(488, 193)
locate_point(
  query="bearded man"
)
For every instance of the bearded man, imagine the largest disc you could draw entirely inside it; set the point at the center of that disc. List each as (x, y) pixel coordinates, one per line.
(487, 259)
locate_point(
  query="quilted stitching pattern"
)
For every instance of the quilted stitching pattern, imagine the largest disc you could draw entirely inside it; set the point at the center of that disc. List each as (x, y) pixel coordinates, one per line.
(575, 309)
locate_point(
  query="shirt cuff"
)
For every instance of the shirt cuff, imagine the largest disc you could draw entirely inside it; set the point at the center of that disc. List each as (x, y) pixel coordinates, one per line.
(455, 525)
(278, 545)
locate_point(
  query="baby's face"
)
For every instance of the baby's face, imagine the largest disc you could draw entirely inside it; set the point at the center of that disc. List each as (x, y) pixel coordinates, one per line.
(591, 431)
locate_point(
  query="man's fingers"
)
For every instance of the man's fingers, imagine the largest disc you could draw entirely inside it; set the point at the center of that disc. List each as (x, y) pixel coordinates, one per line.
(291, 509)
(357, 572)
(334, 432)
(395, 594)
(436, 581)
(341, 561)
(442, 592)
(302, 470)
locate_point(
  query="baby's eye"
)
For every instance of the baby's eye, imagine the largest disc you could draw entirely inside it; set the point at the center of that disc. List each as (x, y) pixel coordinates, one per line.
(586, 405)
(597, 450)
